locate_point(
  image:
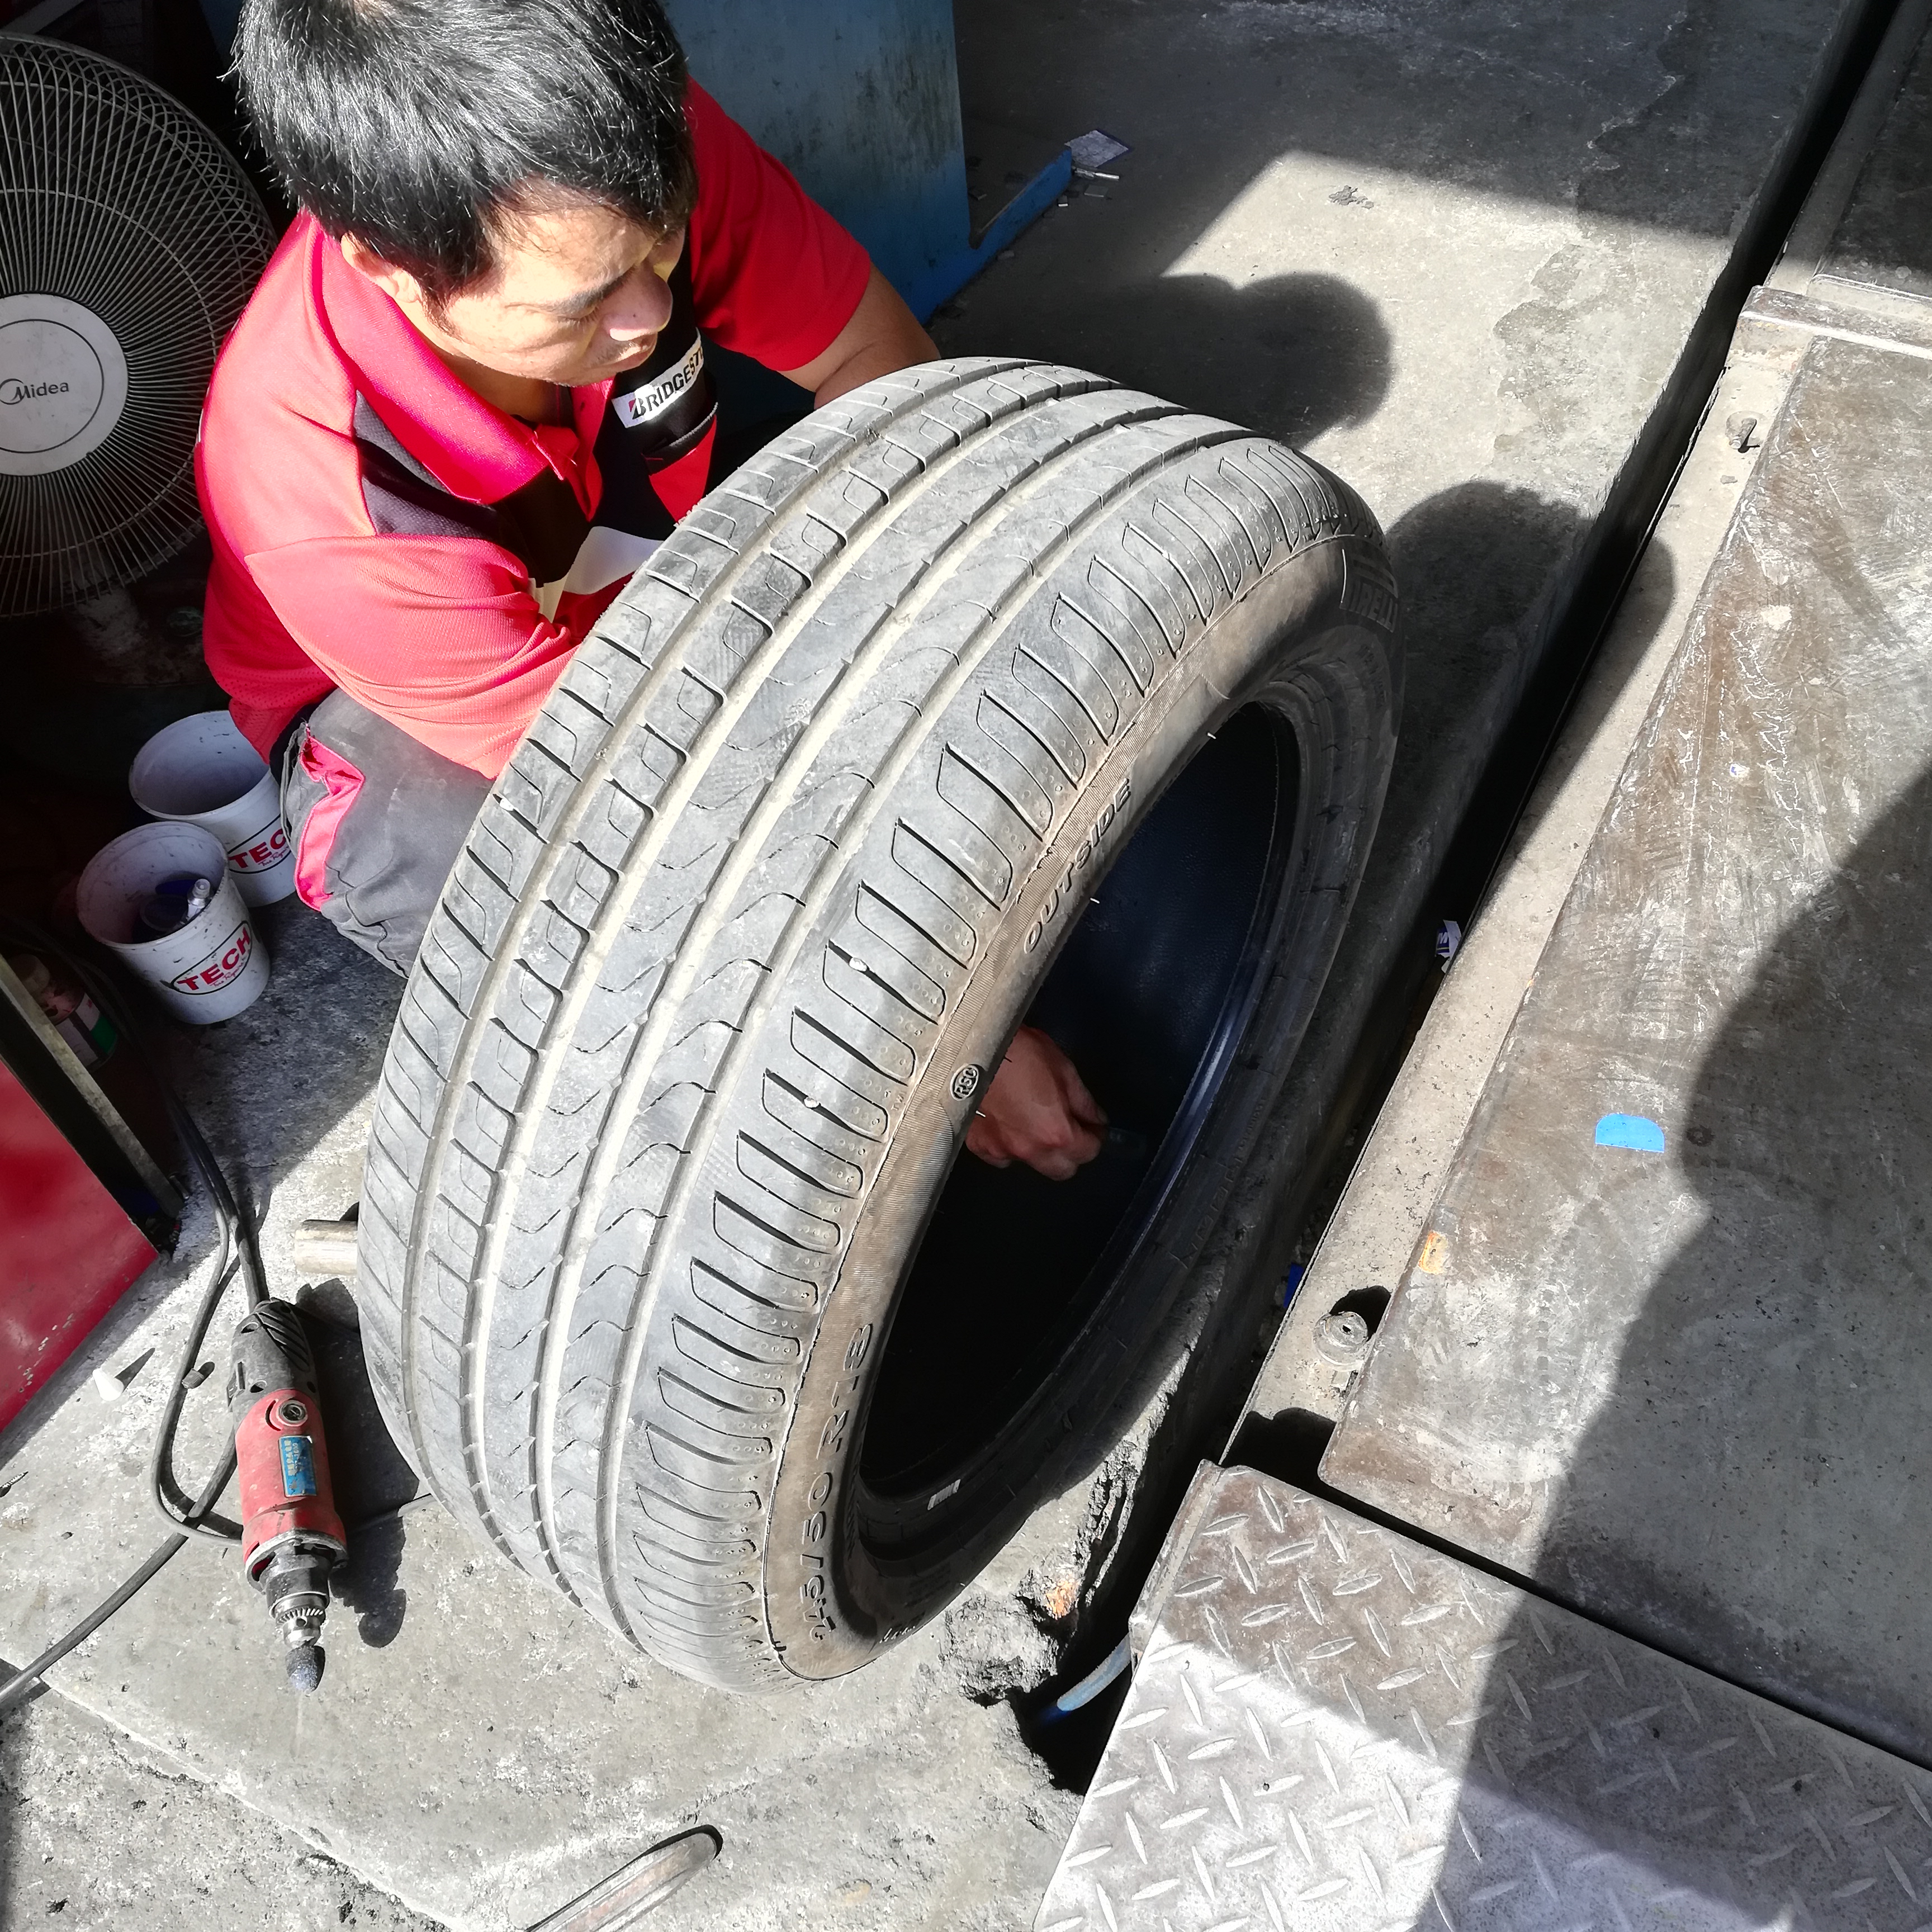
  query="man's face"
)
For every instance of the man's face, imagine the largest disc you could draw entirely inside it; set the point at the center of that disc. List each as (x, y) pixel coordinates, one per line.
(577, 294)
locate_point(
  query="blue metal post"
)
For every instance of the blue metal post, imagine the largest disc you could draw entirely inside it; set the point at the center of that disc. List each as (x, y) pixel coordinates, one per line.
(860, 100)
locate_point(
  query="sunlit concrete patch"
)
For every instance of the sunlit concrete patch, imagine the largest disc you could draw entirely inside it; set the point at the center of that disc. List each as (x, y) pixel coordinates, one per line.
(1537, 376)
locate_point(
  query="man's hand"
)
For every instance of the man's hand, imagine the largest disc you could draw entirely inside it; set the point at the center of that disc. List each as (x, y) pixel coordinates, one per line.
(882, 336)
(1037, 1110)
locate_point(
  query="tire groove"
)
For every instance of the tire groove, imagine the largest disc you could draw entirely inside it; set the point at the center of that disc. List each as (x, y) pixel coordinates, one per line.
(778, 1160)
(873, 978)
(1001, 793)
(951, 864)
(1059, 764)
(899, 912)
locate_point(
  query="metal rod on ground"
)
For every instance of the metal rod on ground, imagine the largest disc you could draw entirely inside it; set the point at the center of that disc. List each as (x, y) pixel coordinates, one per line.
(324, 1251)
(638, 1888)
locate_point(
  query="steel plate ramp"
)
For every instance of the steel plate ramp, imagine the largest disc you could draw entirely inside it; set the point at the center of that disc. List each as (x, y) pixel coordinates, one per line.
(1334, 1729)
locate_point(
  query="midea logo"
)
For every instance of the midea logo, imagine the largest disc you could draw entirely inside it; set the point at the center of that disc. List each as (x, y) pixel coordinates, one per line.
(13, 390)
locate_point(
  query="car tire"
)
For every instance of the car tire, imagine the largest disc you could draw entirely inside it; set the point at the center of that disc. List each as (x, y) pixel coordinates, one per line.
(677, 1287)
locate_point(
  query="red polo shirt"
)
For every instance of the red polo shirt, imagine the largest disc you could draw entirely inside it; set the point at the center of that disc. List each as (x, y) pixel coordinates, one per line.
(377, 526)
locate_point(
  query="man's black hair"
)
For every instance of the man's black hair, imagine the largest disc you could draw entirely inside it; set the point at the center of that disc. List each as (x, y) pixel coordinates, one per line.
(418, 125)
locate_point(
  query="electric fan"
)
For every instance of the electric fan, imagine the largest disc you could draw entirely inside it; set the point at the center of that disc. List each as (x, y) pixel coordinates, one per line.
(129, 241)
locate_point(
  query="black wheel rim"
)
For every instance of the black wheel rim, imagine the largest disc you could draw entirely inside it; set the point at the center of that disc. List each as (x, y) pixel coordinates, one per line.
(1150, 997)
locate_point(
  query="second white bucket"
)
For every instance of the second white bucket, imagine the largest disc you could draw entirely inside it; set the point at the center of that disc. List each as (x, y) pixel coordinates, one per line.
(206, 970)
(201, 771)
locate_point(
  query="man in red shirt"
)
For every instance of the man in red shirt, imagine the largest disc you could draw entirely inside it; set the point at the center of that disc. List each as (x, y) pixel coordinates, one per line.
(469, 398)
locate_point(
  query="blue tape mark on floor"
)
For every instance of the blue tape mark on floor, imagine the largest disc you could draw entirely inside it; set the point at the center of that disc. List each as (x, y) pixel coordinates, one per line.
(1629, 1130)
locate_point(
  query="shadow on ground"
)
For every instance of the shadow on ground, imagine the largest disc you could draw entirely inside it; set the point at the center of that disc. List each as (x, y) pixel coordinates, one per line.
(1291, 355)
(268, 1085)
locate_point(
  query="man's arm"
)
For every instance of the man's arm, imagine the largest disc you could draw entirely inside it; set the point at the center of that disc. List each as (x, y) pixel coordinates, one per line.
(881, 336)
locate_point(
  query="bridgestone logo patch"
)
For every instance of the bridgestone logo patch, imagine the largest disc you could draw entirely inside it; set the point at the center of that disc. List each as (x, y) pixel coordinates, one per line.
(637, 407)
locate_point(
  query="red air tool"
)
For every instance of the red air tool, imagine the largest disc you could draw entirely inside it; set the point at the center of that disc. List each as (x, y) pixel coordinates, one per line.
(291, 1536)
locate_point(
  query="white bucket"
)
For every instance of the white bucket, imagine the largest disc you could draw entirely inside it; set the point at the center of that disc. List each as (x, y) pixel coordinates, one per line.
(214, 965)
(202, 771)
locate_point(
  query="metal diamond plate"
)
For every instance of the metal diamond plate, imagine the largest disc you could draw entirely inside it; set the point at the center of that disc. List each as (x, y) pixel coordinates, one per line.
(1333, 1728)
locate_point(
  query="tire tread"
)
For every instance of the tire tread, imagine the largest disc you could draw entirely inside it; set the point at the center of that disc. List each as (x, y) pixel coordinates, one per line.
(637, 888)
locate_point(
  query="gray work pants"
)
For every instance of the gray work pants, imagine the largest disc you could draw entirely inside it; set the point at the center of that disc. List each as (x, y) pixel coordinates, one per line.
(376, 821)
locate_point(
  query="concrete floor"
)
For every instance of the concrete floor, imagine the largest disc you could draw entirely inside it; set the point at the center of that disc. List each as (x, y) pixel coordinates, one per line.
(1457, 252)
(99, 1833)
(477, 1750)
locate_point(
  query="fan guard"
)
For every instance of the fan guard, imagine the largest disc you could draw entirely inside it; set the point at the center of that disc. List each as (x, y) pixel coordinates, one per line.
(129, 242)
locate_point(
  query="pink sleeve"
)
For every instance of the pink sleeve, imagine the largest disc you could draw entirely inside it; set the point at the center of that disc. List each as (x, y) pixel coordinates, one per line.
(440, 635)
(774, 276)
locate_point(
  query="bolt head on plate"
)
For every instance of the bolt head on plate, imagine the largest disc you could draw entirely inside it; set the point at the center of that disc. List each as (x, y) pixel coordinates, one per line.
(1341, 1339)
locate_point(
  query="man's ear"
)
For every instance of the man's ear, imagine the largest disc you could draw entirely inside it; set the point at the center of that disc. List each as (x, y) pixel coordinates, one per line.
(398, 284)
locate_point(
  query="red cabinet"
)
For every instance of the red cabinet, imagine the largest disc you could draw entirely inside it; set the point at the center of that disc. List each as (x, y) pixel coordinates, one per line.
(67, 1251)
